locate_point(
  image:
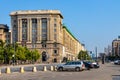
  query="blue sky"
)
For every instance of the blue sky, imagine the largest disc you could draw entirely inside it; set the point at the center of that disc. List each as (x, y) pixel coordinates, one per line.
(92, 22)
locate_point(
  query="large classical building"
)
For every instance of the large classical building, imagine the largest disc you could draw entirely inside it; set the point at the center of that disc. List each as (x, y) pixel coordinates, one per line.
(43, 30)
(4, 33)
(116, 47)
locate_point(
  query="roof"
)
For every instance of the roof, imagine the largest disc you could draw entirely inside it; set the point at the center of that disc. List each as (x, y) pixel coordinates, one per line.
(39, 12)
(69, 32)
(3, 26)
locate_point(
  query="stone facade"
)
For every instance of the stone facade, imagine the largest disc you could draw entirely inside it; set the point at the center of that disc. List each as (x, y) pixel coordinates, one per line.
(4, 33)
(116, 47)
(43, 30)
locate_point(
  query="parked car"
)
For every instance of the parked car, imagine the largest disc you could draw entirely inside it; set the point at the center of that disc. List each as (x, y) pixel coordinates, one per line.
(117, 62)
(88, 65)
(95, 64)
(71, 65)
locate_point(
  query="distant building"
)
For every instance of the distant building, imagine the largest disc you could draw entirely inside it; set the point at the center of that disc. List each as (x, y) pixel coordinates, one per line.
(9, 37)
(116, 47)
(108, 50)
(4, 32)
(43, 30)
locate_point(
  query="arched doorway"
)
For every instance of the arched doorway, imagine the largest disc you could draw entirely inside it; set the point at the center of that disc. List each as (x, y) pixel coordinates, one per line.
(44, 56)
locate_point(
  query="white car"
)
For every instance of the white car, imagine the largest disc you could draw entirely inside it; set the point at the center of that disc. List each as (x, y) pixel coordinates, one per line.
(72, 65)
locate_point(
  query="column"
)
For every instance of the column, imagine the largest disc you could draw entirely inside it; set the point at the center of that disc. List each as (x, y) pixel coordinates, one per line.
(30, 29)
(38, 29)
(20, 31)
(52, 29)
(28, 26)
(48, 29)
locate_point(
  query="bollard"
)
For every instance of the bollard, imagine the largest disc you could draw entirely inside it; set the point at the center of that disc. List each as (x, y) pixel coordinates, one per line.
(34, 69)
(51, 68)
(0, 71)
(44, 68)
(22, 70)
(8, 70)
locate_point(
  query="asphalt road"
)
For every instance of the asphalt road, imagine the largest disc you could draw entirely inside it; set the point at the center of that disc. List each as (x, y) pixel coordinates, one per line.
(107, 71)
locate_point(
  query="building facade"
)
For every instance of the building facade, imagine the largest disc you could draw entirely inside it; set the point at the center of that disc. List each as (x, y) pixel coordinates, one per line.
(43, 30)
(116, 47)
(4, 33)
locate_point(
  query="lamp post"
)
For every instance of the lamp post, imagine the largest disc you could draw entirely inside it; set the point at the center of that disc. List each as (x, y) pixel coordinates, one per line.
(96, 53)
(14, 54)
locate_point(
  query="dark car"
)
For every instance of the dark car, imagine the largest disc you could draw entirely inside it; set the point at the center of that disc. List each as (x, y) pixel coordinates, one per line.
(96, 65)
(88, 65)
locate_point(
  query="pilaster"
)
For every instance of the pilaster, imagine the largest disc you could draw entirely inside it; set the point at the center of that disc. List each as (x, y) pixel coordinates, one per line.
(30, 30)
(20, 30)
(38, 29)
(48, 29)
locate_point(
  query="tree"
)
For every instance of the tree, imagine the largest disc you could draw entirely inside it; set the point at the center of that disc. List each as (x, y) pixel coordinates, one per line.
(35, 55)
(20, 53)
(2, 55)
(9, 51)
(83, 55)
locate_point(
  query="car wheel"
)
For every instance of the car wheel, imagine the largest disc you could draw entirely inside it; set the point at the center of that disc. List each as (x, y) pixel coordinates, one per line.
(60, 69)
(88, 68)
(77, 69)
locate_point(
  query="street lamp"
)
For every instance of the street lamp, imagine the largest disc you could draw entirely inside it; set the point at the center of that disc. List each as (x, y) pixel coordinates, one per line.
(96, 53)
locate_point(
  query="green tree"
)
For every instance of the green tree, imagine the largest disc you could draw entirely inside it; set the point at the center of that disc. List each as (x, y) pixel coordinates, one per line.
(9, 51)
(20, 53)
(35, 55)
(2, 55)
(83, 55)
(28, 54)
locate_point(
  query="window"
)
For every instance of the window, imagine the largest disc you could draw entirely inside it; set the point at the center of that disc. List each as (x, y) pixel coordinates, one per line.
(44, 28)
(55, 19)
(55, 25)
(77, 63)
(14, 21)
(14, 25)
(55, 51)
(55, 44)
(34, 30)
(24, 29)
(44, 31)
(55, 30)
(44, 45)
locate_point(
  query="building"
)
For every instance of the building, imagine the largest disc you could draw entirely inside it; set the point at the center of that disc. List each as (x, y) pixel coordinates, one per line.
(116, 47)
(108, 50)
(43, 30)
(4, 32)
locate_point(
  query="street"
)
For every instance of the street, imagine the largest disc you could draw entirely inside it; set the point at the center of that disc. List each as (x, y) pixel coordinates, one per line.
(106, 71)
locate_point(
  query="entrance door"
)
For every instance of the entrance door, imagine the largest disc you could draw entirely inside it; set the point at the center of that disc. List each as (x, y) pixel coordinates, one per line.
(44, 56)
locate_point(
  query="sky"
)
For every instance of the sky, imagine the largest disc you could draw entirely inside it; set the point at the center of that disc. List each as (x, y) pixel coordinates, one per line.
(93, 22)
